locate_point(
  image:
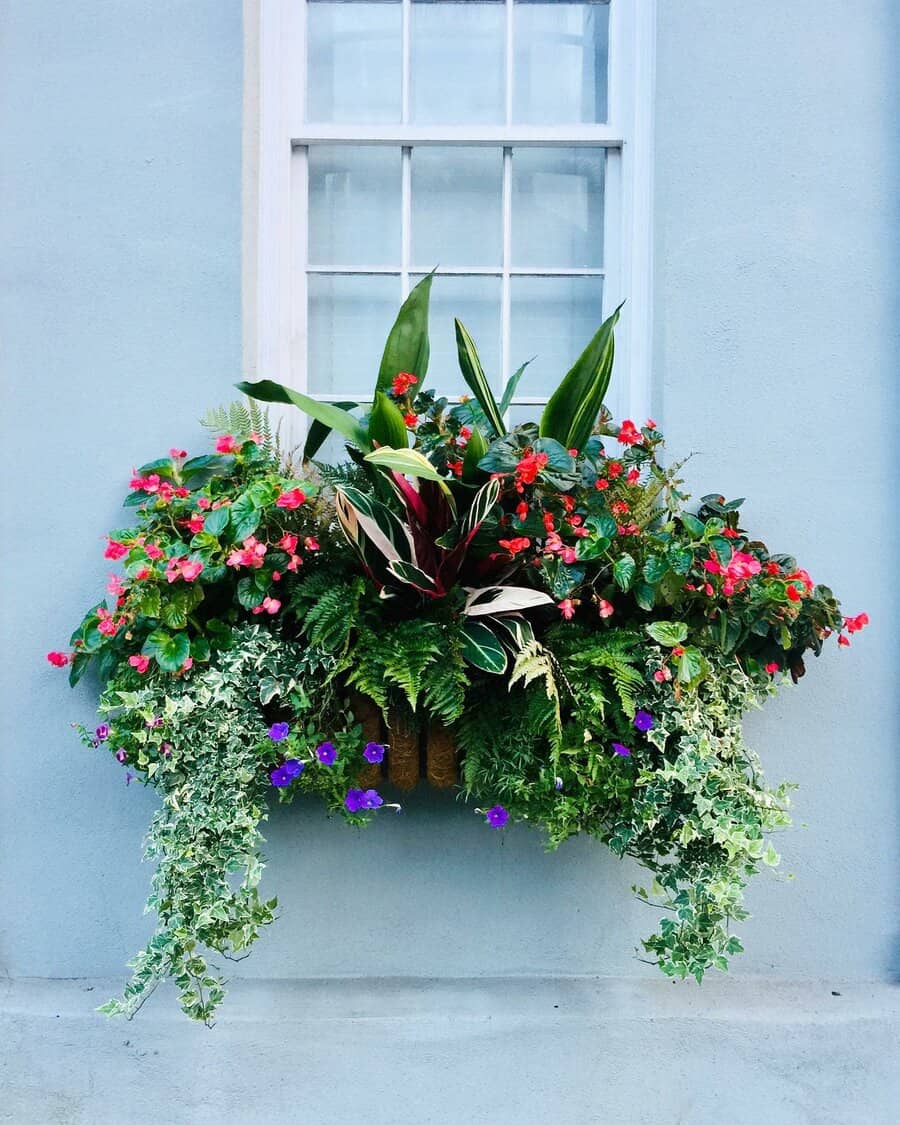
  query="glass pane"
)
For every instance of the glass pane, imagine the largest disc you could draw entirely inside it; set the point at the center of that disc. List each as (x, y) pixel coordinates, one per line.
(557, 207)
(349, 319)
(354, 61)
(552, 319)
(560, 62)
(354, 205)
(458, 62)
(476, 302)
(457, 215)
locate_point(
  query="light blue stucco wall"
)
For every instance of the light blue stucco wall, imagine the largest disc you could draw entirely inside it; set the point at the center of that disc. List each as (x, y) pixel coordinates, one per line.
(775, 358)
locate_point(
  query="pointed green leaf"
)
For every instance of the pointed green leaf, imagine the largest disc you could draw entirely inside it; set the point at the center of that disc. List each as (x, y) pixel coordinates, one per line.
(407, 346)
(410, 462)
(476, 447)
(511, 384)
(318, 432)
(482, 649)
(570, 414)
(386, 425)
(411, 575)
(475, 378)
(328, 413)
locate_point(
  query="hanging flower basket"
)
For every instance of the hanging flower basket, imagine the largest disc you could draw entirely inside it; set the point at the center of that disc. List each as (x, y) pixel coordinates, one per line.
(540, 605)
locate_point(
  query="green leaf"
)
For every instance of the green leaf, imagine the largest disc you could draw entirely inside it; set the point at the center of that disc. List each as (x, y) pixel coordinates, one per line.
(328, 413)
(407, 346)
(624, 569)
(511, 384)
(570, 414)
(411, 575)
(318, 432)
(476, 448)
(691, 666)
(655, 569)
(216, 521)
(644, 595)
(482, 649)
(162, 465)
(692, 525)
(173, 615)
(668, 633)
(249, 594)
(475, 378)
(244, 517)
(170, 651)
(680, 560)
(386, 425)
(410, 462)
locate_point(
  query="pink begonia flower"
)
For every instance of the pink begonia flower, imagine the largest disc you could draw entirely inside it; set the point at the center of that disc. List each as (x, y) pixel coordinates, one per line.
(226, 444)
(311, 544)
(183, 567)
(143, 573)
(251, 554)
(854, 624)
(115, 550)
(203, 502)
(268, 605)
(58, 659)
(115, 586)
(293, 498)
(295, 563)
(194, 524)
(188, 664)
(567, 608)
(142, 663)
(771, 667)
(177, 454)
(605, 608)
(288, 543)
(256, 438)
(629, 434)
(153, 552)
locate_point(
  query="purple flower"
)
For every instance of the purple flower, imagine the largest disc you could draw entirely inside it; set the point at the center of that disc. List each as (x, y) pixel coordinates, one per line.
(166, 749)
(621, 750)
(122, 755)
(156, 721)
(102, 732)
(129, 777)
(643, 720)
(497, 816)
(326, 753)
(278, 732)
(374, 752)
(355, 800)
(293, 768)
(280, 777)
(371, 799)
(558, 784)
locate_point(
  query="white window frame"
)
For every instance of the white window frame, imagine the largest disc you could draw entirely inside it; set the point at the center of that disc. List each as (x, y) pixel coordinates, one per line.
(275, 189)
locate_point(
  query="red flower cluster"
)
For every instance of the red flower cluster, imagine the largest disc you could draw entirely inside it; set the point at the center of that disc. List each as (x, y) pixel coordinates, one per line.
(401, 383)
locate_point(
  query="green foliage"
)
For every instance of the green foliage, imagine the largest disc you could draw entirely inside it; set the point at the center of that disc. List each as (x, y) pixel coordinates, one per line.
(241, 419)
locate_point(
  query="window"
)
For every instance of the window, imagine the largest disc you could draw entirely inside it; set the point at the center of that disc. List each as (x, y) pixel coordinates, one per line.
(506, 142)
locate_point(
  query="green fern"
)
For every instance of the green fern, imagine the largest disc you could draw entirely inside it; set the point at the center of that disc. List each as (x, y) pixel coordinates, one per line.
(534, 662)
(328, 611)
(241, 419)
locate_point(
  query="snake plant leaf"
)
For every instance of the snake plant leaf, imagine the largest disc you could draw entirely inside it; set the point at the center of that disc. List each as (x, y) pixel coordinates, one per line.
(512, 384)
(318, 432)
(482, 649)
(570, 414)
(386, 425)
(408, 461)
(328, 413)
(407, 347)
(475, 378)
(476, 447)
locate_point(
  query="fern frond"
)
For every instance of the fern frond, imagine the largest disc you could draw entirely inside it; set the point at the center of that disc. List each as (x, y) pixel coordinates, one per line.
(534, 662)
(241, 419)
(328, 611)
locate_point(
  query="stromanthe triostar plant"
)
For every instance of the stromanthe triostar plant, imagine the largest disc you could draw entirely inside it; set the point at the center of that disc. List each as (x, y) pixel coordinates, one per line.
(538, 603)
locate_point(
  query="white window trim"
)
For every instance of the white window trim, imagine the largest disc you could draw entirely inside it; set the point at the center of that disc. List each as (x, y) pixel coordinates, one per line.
(274, 244)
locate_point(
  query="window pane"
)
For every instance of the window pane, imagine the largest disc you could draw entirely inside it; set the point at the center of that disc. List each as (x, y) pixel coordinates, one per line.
(560, 62)
(354, 60)
(457, 207)
(458, 62)
(349, 319)
(354, 205)
(476, 302)
(557, 207)
(552, 319)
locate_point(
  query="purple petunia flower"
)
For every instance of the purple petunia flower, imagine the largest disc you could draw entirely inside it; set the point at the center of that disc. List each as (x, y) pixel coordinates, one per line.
(621, 750)
(102, 732)
(497, 816)
(278, 732)
(371, 799)
(355, 799)
(293, 768)
(374, 752)
(643, 720)
(280, 777)
(326, 753)
(122, 755)
(558, 784)
(129, 777)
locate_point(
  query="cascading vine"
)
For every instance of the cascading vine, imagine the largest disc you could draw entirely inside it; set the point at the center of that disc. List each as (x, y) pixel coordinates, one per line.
(533, 613)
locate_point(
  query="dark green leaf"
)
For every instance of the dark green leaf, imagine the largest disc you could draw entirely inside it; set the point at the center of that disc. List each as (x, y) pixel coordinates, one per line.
(248, 592)
(170, 651)
(511, 384)
(386, 425)
(475, 378)
(318, 432)
(624, 569)
(244, 517)
(481, 648)
(407, 346)
(216, 521)
(326, 412)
